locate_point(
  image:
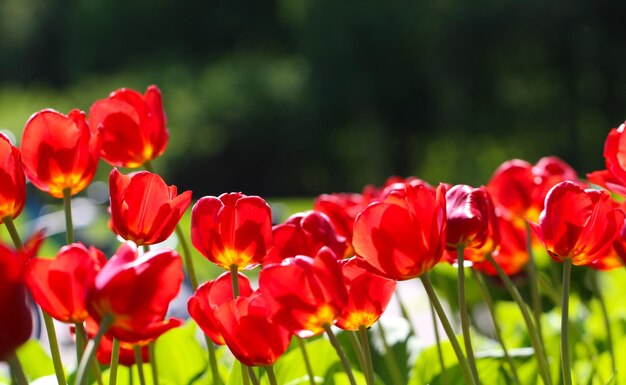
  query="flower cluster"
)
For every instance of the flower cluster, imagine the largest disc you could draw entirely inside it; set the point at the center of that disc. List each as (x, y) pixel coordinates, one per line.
(335, 265)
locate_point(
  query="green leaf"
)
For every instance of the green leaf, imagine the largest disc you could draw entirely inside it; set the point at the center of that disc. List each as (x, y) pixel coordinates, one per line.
(341, 378)
(180, 357)
(291, 367)
(34, 359)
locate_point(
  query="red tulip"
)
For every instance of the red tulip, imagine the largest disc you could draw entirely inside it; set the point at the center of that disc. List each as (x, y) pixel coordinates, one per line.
(15, 319)
(60, 285)
(143, 208)
(342, 209)
(403, 236)
(252, 337)
(60, 151)
(511, 254)
(614, 177)
(135, 291)
(133, 125)
(210, 296)
(368, 295)
(578, 224)
(232, 230)
(471, 219)
(304, 234)
(520, 188)
(304, 293)
(12, 180)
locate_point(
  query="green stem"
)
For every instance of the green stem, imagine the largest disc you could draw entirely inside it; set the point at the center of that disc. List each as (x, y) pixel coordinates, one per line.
(496, 327)
(535, 296)
(67, 205)
(367, 352)
(465, 327)
(191, 271)
(54, 348)
(444, 371)
(565, 361)
(358, 350)
(15, 236)
(115, 358)
(270, 375)
(245, 377)
(148, 166)
(342, 357)
(434, 300)
(95, 366)
(307, 363)
(235, 280)
(153, 363)
(253, 378)
(544, 371)
(390, 358)
(81, 340)
(90, 350)
(16, 369)
(139, 363)
(605, 314)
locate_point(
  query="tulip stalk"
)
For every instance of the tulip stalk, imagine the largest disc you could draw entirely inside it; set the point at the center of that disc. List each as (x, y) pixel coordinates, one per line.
(307, 362)
(358, 350)
(48, 322)
(270, 375)
(535, 297)
(67, 205)
(139, 363)
(496, 327)
(595, 287)
(565, 359)
(367, 352)
(444, 372)
(434, 300)
(90, 350)
(235, 281)
(342, 357)
(544, 372)
(115, 358)
(153, 363)
(465, 327)
(17, 371)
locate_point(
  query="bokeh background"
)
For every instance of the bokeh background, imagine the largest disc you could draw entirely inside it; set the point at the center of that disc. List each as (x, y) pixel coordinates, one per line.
(299, 97)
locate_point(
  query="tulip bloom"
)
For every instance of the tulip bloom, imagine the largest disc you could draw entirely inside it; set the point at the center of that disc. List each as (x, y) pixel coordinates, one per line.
(232, 230)
(60, 285)
(135, 292)
(342, 209)
(12, 180)
(368, 295)
(60, 152)
(133, 125)
(305, 294)
(210, 296)
(520, 188)
(304, 234)
(403, 236)
(578, 224)
(471, 220)
(511, 254)
(614, 176)
(143, 208)
(252, 337)
(15, 319)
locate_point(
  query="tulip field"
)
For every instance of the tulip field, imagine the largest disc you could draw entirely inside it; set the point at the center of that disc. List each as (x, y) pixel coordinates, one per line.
(522, 277)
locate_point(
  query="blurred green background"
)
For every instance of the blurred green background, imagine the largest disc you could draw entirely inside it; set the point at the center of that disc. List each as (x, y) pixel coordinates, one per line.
(300, 97)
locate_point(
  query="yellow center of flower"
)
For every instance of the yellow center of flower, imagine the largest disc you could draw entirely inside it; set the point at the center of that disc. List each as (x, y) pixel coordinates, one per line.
(325, 315)
(359, 318)
(230, 257)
